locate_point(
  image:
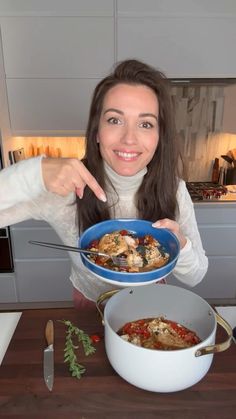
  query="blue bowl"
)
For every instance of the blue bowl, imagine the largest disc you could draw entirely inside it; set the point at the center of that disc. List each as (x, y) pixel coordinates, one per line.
(166, 238)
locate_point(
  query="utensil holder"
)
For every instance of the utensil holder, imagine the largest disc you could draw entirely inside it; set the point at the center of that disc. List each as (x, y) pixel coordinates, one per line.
(231, 176)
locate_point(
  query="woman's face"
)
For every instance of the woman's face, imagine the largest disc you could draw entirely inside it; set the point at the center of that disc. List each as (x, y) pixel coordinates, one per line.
(128, 128)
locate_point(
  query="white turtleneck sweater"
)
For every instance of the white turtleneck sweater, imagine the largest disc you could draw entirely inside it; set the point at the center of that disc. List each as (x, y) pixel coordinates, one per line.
(23, 196)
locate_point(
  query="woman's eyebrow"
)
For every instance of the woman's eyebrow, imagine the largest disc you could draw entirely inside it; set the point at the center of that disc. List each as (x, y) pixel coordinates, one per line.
(113, 110)
(142, 115)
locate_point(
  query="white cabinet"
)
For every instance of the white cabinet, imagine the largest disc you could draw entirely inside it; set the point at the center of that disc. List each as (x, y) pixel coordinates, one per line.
(56, 8)
(8, 289)
(45, 105)
(217, 226)
(41, 274)
(61, 47)
(54, 54)
(182, 38)
(180, 46)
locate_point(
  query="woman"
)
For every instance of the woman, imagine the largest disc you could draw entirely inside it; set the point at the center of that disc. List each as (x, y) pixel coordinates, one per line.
(131, 169)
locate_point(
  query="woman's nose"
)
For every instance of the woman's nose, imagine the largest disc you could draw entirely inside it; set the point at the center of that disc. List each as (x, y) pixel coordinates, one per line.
(129, 135)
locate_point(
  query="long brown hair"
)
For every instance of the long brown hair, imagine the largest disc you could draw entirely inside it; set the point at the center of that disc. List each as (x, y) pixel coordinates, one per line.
(156, 197)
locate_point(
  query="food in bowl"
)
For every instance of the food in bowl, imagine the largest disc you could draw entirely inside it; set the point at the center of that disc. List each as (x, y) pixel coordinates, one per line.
(140, 228)
(158, 333)
(141, 253)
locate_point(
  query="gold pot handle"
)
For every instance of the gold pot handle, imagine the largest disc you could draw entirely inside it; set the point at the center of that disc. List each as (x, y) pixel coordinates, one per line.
(218, 347)
(104, 297)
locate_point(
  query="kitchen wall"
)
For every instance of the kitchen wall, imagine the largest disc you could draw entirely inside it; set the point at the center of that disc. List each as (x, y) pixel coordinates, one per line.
(206, 125)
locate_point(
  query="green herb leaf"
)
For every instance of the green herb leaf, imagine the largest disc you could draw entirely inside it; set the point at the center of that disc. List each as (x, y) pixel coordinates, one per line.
(74, 333)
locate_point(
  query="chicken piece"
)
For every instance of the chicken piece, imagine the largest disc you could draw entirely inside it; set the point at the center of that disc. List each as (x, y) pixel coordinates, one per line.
(131, 241)
(134, 259)
(166, 335)
(113, 244)
(152, 255)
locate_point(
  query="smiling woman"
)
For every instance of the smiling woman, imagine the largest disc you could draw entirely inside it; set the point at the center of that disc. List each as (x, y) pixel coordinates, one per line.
(132, 169)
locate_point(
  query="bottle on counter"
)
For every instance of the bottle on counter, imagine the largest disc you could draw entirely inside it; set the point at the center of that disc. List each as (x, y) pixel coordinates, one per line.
(215, 171)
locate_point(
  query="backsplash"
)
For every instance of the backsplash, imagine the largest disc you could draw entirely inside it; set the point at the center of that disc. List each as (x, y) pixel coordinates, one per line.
(201, 124)
(51, 146)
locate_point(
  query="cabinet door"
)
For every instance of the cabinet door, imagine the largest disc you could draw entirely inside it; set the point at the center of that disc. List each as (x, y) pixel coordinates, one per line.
(8, 293)
(56, 8)
(49, 105)
(52, 66)
(42, 274)
(217, 228)
(180, 46)
(43, 280)
(61, 47)
(219, 282)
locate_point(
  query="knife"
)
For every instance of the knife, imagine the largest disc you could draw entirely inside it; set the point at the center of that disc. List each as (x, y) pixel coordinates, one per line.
(48, 356)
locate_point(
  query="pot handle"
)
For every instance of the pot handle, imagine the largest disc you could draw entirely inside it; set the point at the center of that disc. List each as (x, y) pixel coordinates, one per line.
(104, 297)
(218, 347)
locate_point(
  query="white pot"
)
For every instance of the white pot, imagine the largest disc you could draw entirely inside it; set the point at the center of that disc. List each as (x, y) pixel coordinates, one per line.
(158, 370)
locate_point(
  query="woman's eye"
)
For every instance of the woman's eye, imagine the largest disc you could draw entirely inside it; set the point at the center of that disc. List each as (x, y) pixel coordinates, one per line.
(113, 120)
(146, 124)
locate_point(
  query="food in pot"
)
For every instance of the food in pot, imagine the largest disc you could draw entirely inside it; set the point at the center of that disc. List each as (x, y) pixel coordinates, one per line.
(158, 333)
(141, 253)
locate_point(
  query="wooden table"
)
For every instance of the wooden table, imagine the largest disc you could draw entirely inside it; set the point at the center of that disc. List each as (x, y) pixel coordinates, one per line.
(101, 393)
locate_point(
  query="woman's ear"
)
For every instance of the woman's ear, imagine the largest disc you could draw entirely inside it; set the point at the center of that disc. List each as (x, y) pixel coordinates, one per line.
(98, 139)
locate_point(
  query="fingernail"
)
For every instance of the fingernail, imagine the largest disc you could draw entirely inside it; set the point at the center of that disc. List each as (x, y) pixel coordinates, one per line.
(103, 198)
(79, 193)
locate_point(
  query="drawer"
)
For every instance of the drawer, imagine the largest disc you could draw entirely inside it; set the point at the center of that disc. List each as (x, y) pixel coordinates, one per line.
(24, 250)
(215, 213)
(219, 240)
(219, 281)
(43, 280)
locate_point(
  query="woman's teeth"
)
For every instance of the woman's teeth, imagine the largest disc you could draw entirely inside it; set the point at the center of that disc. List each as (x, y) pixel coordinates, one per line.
(126, 155)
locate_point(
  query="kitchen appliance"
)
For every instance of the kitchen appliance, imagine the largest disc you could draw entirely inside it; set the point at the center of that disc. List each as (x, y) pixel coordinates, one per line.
(153, 369)
(6, 259)
(205, 191)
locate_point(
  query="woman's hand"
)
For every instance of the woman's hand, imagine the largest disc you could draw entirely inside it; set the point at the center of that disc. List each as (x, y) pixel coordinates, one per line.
(172, 226)
(65, 175)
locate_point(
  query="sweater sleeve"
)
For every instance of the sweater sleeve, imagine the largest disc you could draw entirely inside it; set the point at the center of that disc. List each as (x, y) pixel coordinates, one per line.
(20, 185)
(21, 182)
(192, 264)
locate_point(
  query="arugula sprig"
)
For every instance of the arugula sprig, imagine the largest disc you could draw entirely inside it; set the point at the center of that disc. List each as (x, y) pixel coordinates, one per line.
(70, 357)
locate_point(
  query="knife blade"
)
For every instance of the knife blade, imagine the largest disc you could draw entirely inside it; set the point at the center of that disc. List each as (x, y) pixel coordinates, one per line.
(48, 356)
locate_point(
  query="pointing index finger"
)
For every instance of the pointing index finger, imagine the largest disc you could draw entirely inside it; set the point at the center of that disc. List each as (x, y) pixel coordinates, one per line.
(92, 183)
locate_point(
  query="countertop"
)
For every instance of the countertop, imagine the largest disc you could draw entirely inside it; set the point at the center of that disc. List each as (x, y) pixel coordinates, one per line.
(100, 393)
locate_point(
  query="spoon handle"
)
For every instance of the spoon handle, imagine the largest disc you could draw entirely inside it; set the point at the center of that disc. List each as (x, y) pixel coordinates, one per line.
(65, 247)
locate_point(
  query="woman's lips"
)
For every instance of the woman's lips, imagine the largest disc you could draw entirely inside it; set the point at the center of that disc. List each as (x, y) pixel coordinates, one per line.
(127, 155)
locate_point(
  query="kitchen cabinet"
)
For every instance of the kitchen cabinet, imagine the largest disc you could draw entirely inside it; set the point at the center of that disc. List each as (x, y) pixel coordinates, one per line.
(182, 38)
(8, 290)
(42, 274)
(217, 226)
(50, 105)
(54, 55)
(56, 8)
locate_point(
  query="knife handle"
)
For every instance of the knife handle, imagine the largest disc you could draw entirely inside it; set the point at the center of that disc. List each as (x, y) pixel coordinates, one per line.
(49, 332)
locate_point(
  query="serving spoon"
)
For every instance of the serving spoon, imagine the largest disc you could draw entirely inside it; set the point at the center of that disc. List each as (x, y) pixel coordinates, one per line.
(117, 260)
